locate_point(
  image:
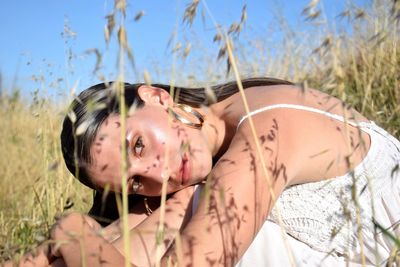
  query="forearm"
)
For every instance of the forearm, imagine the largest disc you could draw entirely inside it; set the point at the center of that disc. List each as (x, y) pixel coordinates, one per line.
(223, 226)
(80, 244)
(145, 238)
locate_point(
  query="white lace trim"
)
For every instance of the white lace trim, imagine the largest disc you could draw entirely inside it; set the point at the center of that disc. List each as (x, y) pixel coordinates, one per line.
(323, 214)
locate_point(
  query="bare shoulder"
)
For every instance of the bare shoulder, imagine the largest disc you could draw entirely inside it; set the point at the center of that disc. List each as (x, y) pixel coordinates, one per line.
(307, 146)
(265, 142)
(298, 95)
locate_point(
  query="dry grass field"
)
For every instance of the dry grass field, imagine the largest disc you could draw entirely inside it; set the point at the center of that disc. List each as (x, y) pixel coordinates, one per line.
(360, 66)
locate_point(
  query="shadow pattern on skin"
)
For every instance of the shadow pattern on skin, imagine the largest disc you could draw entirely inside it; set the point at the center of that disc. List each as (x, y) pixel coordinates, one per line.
(222, 209)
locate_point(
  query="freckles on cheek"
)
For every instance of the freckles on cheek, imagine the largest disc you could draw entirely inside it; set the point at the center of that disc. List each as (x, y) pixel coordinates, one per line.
(97, 146)
(104, 167)
(158, 142)
(180, 132)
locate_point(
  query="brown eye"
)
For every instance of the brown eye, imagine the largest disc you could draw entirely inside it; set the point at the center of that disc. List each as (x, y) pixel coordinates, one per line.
(135, 183)
(138, 147)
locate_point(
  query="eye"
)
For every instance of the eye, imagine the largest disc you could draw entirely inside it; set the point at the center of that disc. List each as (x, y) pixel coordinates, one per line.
(138, 146)
(135, 183)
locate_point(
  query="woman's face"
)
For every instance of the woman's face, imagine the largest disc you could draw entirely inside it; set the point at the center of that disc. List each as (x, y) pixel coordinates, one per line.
(157, 149)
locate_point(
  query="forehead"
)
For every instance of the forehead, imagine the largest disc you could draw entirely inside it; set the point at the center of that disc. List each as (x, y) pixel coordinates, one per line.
(106, 152)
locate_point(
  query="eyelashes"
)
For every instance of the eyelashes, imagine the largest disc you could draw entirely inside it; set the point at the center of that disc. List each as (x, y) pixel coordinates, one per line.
(134, 144)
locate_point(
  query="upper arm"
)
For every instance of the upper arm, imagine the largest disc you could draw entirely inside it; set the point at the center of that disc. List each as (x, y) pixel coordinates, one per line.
(240, 193)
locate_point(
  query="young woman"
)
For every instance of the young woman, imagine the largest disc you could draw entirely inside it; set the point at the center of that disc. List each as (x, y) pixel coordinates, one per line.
(300, 161)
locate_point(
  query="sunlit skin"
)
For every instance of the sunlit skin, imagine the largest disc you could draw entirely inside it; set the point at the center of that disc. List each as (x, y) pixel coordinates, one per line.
(157, 148)
(240, 194)
(160, 147)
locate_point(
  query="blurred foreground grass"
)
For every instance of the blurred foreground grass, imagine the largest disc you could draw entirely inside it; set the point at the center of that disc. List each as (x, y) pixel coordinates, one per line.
(360, 66)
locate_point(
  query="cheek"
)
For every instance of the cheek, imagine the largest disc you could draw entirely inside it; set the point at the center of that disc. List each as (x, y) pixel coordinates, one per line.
(159, 130)
(201, 157)
(207, 165)
(159, 140)
(106, 168)
(160, 137)
(173, 136)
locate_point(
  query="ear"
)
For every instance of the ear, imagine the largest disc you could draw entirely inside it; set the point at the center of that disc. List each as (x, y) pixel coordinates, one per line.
(155, 95)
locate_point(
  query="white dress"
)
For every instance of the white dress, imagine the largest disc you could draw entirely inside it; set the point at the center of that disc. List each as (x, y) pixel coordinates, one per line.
(320, 218)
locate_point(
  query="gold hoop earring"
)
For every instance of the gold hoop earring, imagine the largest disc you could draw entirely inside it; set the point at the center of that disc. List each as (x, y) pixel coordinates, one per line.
(149, 211)
(190, 110)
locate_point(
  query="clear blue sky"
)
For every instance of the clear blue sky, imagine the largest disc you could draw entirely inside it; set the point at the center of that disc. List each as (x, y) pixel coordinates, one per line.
(32, 44)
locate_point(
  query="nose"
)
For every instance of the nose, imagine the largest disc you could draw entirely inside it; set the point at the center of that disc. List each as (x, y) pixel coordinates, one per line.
(148, 169)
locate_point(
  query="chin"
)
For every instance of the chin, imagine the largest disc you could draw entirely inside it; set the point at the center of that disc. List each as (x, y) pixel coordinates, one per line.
(196, 181)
